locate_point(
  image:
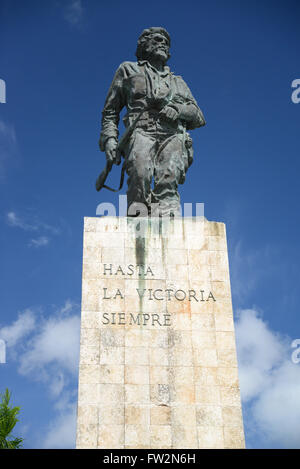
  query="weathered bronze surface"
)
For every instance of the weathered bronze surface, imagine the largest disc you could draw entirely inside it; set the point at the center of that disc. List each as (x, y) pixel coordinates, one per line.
(160, 109)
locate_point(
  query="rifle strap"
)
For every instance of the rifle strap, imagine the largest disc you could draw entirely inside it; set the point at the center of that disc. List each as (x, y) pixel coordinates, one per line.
(121, 179)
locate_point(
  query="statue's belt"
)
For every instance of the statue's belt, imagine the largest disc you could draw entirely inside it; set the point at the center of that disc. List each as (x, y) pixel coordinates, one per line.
(148, 117)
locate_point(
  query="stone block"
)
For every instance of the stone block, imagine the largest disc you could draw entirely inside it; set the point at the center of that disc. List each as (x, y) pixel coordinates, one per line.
(158, 365)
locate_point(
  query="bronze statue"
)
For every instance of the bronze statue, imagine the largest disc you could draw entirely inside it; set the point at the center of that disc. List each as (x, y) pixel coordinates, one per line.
(156, 147)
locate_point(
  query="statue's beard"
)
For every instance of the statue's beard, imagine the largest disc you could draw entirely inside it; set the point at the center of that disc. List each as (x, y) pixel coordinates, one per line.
(156, 53)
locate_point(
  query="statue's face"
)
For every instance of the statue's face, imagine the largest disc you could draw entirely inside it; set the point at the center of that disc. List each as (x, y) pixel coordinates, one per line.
(157, 47)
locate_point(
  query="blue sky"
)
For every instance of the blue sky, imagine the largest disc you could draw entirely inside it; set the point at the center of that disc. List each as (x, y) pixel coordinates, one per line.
(57, 59)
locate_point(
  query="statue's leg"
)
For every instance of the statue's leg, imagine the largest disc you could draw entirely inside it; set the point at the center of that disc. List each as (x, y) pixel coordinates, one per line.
(169, 171)
(140, 154)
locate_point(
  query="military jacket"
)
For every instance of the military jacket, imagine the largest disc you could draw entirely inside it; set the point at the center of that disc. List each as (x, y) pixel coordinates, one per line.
(140, 87)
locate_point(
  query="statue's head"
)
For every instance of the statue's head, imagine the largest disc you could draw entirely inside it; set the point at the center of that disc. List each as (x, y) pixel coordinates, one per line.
(154, 43)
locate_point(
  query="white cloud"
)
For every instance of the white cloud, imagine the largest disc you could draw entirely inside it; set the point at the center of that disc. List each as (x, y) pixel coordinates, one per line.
(57, 384)
(50, 355)
(67, 308)
(270, 382)
(55, 343)
(51, 350)
(19, 328)
(73, 12)
(32, 223)
(38, 242)
(14, 220)
(61, 432)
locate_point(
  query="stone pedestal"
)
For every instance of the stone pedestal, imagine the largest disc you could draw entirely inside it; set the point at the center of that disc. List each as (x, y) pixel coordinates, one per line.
(158, 362)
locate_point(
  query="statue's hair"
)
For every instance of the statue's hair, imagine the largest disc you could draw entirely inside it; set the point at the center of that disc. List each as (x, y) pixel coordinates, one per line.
(142, 40)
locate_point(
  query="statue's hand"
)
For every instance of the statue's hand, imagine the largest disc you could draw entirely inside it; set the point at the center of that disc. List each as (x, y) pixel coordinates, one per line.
(156, 102)
(169, 113)
(110, 150)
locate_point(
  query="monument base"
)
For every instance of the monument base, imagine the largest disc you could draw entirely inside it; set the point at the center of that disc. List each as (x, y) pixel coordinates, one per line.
(158, 364)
